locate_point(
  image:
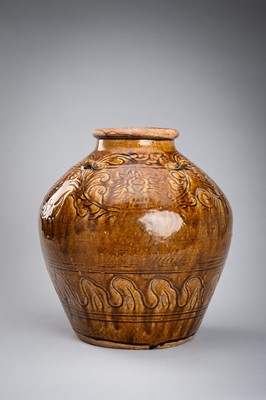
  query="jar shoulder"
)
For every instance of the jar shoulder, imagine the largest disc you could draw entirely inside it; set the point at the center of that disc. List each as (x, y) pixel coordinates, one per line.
(133, 181)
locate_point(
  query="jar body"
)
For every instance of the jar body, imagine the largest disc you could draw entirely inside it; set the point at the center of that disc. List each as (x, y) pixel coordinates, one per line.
(135, 238)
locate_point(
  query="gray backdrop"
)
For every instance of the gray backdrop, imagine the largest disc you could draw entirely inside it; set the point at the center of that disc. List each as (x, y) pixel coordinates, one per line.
(68, 67)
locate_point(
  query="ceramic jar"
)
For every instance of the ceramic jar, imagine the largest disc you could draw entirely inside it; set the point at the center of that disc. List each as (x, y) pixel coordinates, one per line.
(135, 238)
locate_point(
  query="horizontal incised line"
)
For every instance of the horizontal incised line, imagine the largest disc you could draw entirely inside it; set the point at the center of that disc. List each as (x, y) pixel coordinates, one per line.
(81, 312)
(129, 272)
(131, 164)
(133, 321)
(213, 261)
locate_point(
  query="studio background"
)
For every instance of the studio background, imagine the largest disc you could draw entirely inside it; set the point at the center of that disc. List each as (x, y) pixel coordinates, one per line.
(68, 67)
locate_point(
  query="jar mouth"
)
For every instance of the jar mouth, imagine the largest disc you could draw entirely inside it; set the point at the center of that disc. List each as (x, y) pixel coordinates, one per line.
(136, 133)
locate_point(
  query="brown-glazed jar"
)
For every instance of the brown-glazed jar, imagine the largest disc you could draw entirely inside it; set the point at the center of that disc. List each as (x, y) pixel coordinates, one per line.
(135, 237)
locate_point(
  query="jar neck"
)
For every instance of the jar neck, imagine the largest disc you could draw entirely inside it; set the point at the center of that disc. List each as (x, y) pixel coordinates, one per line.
(139, 145)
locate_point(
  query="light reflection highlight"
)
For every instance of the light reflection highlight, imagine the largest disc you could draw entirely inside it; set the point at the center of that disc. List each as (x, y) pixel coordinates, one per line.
(162, 223)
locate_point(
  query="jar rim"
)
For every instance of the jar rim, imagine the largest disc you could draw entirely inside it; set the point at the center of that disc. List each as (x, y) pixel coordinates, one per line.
(136, 133)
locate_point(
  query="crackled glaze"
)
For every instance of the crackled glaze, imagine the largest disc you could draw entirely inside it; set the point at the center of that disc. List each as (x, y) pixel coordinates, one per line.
(135, 237)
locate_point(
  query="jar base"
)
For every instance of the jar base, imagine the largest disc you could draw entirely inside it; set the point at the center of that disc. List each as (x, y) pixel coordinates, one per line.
(126, 346)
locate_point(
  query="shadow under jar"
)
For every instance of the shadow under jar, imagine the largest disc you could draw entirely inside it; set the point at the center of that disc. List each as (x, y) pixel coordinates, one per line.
(135, 237)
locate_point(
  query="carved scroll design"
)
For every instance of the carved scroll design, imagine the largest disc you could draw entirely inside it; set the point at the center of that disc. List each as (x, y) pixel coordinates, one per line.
(87, 190)
(124, 295)
(191, 186)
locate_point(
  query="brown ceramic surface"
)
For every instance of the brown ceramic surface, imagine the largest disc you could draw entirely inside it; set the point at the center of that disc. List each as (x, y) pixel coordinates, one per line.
(135, 237)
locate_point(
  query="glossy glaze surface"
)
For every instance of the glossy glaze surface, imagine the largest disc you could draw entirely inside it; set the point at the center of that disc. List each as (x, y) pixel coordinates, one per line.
(135, 237)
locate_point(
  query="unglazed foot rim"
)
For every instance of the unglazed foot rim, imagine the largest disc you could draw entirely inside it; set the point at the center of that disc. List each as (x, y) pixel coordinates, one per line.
(125, 346)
